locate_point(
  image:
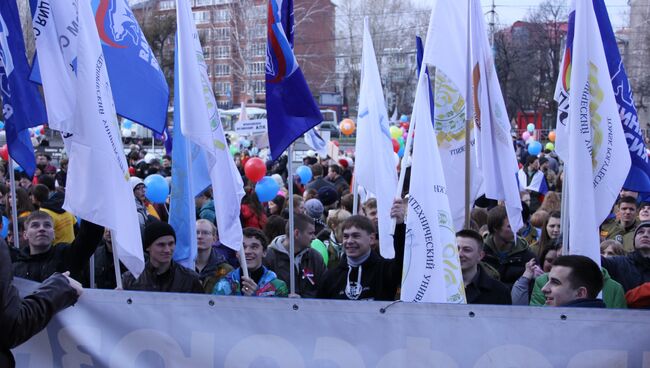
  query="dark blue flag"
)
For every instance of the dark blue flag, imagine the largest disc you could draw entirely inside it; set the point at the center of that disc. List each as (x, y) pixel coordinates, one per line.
(22, 105)
(420, 55)
(290, 106)
(638, 179)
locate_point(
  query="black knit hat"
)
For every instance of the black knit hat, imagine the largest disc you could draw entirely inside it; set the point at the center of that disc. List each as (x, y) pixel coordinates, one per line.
(155, 230)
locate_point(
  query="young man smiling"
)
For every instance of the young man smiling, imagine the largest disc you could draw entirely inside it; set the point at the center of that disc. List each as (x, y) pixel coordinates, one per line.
(260, 281)
(574, 281)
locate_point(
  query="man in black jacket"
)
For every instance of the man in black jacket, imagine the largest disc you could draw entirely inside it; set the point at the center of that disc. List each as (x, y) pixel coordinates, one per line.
(41, 258)
(480, 288)
(632, 270)
(363, 274)
(20, 319)
(161, 273)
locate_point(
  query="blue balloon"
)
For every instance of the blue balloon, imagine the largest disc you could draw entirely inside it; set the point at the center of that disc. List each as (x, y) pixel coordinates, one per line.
(304, 173)
(266, 189)
(245, 143)
(2, 124)
(534, 148)
(400, 153)
(127, 124)
(255, 151)
(404, 118)
(5, 227)
(157, 188)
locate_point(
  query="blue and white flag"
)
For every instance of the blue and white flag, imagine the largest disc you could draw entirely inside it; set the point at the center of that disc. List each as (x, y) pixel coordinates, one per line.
(316, 142)
(375, 168)
(200, 123)
(22, 105)
(419, 46)
(189, 178)
(78, 98)
(290, 107)
(590, 137)
(537, 182)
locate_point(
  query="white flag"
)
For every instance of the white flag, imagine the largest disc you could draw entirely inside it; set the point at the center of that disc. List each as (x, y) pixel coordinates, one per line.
(496, 154)
(431, 266)
(200, 123)
(375, 168)
(592, 140)
(447, 49)
(79, 100)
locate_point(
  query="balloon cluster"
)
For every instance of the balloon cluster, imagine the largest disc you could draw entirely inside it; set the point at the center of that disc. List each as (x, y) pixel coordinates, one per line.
(398, 136)
(534, 146)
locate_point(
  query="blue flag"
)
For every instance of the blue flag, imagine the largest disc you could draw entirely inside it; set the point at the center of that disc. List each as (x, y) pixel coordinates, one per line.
(290, 106)
(189, 178)
(638, 178)
(420, 55)
(22, 105)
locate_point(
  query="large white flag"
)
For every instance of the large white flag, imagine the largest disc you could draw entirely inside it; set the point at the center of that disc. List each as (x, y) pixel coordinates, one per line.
(200, 123)
(79, 101)
(591, 138)
(496, 154)
(375, 160)
(447, 49)
(431, 266)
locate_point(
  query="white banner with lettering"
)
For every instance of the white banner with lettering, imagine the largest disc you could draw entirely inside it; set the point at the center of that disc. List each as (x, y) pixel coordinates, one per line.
(250, 127)
(137, 329)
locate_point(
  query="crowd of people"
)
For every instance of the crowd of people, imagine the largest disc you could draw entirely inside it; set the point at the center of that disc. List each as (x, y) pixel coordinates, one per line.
(335, 250)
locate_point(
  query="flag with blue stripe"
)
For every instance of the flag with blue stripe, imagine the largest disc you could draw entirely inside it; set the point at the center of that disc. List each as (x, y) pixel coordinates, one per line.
(22, 105)
(290, 106)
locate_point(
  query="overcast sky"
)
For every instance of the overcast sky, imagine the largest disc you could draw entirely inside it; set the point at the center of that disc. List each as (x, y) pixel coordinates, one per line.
(509, 11)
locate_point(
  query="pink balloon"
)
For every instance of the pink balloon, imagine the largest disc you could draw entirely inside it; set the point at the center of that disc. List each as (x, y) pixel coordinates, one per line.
(525, 136)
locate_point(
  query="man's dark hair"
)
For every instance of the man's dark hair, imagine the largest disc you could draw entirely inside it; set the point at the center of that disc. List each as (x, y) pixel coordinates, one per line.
(347, 202)
(300, 223)
(316, 170)
(371, 203)
(360, 222)
(479, 215)
(530, 160)
(48, 181)
(584, 272)
(41, 193)
(627, 199)
(38, 215)
(471, 234)
(496, 217)
(336, 168)
(252, 232)
(167, 157)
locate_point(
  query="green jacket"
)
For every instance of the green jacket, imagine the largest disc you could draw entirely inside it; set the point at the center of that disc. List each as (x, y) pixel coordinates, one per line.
(613, 294)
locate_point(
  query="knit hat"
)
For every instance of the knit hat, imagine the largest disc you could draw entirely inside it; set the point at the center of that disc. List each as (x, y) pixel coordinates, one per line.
(641, 225)
(135, 181)
(314, 208)
(155, 230)
(327, 195)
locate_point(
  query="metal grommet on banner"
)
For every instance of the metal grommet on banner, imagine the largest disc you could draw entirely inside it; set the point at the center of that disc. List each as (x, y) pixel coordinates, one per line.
(129, 301)
(563, 317)
(211, 303)
(472, 314)
(384, 309)
(295, 307)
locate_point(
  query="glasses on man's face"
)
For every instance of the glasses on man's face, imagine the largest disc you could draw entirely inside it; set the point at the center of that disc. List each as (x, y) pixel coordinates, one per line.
(203, 232)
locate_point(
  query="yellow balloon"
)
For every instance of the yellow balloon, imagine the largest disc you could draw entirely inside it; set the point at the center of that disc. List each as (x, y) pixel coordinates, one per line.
(396, 132)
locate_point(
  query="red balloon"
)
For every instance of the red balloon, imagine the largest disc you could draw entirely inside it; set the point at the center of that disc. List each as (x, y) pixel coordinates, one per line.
(131, 170)
(255, 169)
(43, 130)
(4, 152)
(395, 145)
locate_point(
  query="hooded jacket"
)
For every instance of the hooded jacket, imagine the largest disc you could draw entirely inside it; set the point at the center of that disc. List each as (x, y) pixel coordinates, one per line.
(511, 264)
(60, 257)
(310, 267)
(378, 277)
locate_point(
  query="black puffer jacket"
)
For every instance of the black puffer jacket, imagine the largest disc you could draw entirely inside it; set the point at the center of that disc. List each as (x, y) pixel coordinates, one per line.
(20, 318)
(61, 257)
(630, 270)
(177, 279)
(510, 265)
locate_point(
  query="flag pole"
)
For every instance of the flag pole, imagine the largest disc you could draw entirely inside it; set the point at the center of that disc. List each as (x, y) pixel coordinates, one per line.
(14, 214)
(292, 269)
(468, 122)
(564, 227)
(92, 272)
(116, 264)
(355, 191)
(242, 261)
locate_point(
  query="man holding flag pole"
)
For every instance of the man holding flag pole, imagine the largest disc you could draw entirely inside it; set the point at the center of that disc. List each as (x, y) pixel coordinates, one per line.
(291, 109)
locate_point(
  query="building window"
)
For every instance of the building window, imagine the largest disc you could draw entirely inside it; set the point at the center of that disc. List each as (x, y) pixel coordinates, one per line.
(167, 4)
(206, 52)
(258, 68)
(221, 69)
(222, 34)
(259, 49)
(222, 15)
(222, 88)
(203, 2)
(204, 34)
(259, 86)
(221, 52)
(201, 17)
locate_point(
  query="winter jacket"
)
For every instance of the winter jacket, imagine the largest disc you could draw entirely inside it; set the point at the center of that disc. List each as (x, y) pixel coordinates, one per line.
(60, 257)
(511, 264)
(613, 295)
(250, 219)
(639, 297)
(64, 221)
(585, 303)
(105, 268)
(630, 270)
(207, 212)
(380, 277)
(20, 319)
(214, 270)
(485, 290)
(177, 279)
(268, 283)
(308, 262)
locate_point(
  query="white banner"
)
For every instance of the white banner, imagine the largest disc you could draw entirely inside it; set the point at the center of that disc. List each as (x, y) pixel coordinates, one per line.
(250, 127)
(138, 329)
